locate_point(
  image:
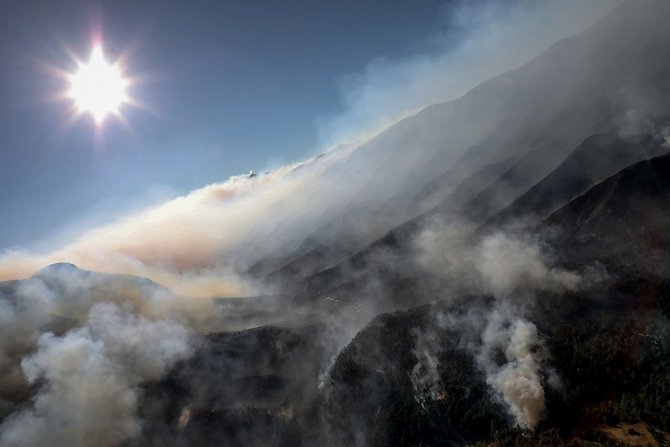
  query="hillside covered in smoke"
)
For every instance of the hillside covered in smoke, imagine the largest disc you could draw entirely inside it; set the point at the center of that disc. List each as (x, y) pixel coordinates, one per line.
(491, 270)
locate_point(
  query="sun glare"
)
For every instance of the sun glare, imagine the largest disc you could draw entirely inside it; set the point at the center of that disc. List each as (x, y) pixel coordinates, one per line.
(98, 87)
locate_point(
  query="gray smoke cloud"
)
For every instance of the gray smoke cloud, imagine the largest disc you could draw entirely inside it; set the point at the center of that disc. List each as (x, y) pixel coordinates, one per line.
(506, 347)
(22, 317)
(506, 264)
(518, 381)
(89, 379)
(501, 264)
(505, 344)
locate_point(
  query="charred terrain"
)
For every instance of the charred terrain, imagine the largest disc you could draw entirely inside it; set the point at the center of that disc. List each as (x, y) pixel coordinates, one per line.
(496, 272)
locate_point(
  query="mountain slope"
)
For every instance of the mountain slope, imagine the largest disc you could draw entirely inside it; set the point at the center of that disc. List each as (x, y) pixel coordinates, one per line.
(623, 222)
(534, 115)
(592, 161)
(382, 258)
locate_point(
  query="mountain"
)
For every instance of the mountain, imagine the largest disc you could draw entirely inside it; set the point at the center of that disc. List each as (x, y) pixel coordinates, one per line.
(372, 396)
(621, 222)
(243, 388)
(74, 289)
(490, 271)
(595, 159)
(591, 161)
(475, 155)
(609, 342)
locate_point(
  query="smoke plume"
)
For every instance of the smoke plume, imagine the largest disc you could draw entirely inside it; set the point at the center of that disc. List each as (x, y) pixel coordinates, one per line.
(505, 344)
(89, 379)
(518, 380)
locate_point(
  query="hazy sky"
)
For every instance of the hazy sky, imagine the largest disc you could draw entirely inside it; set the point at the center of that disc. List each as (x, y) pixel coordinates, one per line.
(229, 86)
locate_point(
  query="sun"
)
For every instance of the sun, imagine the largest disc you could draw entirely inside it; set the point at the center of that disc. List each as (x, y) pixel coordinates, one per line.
(98, 87)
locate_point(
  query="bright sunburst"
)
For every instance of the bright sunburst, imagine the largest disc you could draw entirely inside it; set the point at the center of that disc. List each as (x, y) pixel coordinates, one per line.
(98, 87)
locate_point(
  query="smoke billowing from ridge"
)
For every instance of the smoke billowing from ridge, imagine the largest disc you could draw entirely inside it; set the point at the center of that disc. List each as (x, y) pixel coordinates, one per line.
(202, 243)
(198, 244)
(179, 243)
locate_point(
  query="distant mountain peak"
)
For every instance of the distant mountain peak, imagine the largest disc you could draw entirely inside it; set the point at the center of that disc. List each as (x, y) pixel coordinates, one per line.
(58, 267)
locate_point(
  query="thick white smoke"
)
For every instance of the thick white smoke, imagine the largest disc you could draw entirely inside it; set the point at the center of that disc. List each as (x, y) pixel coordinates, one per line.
(517, 381)
(506, 345)
(89, 379)
(22, 317)
(506, 265)
(500, 264)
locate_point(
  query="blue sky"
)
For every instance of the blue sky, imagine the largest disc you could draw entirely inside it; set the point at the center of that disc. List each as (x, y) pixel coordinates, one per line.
(229, 86)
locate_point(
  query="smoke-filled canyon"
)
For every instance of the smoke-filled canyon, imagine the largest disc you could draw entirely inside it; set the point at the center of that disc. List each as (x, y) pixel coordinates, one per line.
(488, 266)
